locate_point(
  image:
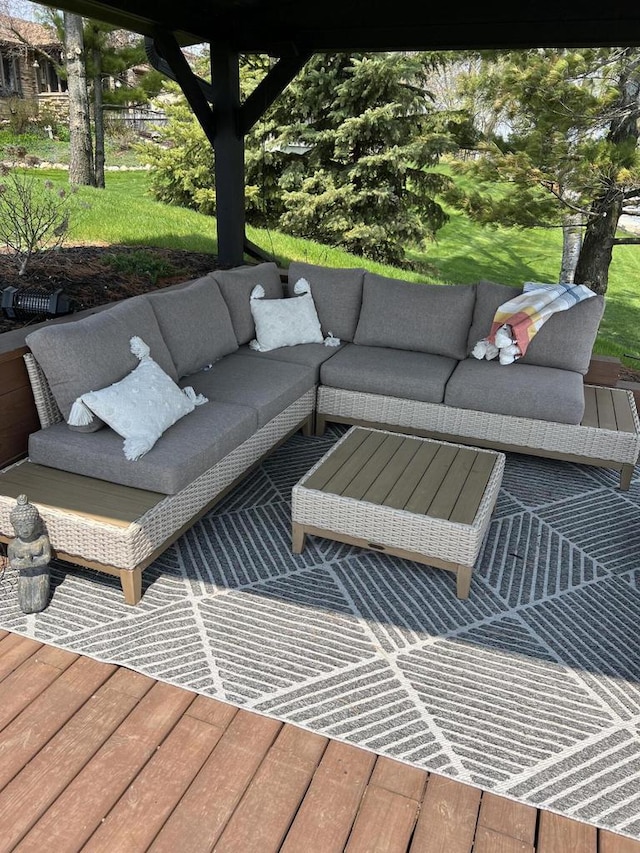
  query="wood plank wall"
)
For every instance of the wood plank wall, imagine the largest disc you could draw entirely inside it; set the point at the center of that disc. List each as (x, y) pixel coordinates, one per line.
(18, 416)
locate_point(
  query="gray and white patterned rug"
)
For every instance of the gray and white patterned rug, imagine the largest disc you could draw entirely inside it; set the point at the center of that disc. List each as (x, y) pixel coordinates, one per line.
(530, 688)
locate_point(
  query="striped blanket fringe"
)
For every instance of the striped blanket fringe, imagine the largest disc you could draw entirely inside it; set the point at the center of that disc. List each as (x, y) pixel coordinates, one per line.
(517, 321)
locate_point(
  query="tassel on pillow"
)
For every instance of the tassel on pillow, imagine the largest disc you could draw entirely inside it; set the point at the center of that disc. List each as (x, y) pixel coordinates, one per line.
(257, 292)
(139, 348)
(301, 286)
(196, 399)
(80, 414)
(330, 341)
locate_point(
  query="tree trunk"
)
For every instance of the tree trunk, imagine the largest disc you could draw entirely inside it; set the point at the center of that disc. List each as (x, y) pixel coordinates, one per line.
(98, 120)
(597, 247)
(606, 210)
(571, 245)
(80, 147)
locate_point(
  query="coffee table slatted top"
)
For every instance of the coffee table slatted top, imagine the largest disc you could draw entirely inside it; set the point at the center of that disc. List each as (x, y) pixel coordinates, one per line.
(433, 479)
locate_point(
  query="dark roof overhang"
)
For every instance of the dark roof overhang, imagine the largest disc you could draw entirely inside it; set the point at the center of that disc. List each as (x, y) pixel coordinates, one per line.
(285, 27)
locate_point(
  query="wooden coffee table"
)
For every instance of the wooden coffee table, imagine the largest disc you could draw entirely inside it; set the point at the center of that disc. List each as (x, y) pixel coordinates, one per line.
(410, 497)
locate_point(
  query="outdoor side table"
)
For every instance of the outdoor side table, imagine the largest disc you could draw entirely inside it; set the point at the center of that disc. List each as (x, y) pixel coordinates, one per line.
(415, 498)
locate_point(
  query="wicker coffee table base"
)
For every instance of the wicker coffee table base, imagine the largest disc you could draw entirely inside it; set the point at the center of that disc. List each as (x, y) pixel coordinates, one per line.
(414, 498)
(463, 573)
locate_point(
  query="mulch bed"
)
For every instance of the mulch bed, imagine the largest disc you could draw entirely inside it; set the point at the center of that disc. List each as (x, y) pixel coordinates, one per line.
(88, 276)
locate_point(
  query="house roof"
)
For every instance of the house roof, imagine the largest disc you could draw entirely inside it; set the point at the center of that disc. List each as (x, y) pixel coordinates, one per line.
(285, 27)
(15, 31)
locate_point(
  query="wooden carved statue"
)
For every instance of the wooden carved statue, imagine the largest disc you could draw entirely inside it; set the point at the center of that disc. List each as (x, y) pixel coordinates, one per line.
(30, 554)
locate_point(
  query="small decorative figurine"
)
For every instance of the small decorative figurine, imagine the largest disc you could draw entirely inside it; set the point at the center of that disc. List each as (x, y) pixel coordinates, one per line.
(30, 554)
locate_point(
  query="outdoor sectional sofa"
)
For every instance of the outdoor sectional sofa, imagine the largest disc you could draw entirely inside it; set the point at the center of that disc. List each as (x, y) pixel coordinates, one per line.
(402, 362)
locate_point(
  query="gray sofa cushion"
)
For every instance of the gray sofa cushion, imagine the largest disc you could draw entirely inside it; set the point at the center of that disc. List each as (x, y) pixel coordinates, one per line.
(94, 352)
(337, 294)
(565, 340)
(429, 318)
(268, 386)
(308, 355)
(489, 297)
(187, 449)
(236, 286)
(522, 390)
(195, 323)
(394, 372)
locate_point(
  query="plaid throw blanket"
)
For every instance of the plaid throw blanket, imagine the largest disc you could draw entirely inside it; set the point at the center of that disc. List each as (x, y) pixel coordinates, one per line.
(516, 321)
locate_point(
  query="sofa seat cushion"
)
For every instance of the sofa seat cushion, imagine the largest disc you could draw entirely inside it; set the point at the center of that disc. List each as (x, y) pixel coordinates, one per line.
(393, 372)
(521, 390)
(195, 323)
(184, 452)
(94, 352)
(565, 340)
(337, 294)
(433, 318)
(268, 386)
(307, 355)
(236, 286)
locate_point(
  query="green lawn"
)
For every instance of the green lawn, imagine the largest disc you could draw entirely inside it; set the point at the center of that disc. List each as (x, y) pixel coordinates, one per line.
(124, 213)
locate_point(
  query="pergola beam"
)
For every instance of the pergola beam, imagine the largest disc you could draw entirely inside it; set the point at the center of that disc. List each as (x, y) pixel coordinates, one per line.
(225, 123)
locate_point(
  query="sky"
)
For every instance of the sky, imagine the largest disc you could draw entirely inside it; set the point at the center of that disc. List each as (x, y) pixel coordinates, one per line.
(20, 9)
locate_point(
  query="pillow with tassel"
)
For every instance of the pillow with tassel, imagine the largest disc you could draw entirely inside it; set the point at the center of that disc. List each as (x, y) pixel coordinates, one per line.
(286, 322)
(139, 407)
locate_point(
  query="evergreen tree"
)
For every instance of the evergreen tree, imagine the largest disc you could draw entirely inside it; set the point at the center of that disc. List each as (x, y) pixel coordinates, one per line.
(342, 157)
(564, 150)
(182, 166)
(110, 53)
(106, 53)
(364, 182)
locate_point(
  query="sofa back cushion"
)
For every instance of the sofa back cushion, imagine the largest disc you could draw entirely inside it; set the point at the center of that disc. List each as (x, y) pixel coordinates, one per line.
(91, 353)
(195, 323)
(236, 286)
(337, 294)
(433, 318)
(564, 341)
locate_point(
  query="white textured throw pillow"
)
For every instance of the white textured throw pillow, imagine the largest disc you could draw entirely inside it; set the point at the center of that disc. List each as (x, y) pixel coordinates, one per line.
(139, 407)
(285, 322)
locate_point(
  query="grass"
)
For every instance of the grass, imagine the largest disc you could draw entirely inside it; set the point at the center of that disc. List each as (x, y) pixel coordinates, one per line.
(125, 213)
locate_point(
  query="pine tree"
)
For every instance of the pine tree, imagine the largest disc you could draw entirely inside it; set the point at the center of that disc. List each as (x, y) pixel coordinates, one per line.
(369, 137)
(342, 157)
(564, 150)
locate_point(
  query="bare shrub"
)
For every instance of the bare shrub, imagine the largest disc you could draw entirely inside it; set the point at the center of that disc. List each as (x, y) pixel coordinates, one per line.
(34, 215)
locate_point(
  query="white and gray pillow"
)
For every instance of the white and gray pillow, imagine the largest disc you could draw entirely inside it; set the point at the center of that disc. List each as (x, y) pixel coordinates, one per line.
(94, 352)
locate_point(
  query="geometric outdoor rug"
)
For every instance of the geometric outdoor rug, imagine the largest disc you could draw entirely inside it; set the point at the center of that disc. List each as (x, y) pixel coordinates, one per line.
(530, 688)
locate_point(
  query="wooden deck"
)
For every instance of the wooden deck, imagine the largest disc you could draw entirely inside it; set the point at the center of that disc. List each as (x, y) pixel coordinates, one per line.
(96, 757)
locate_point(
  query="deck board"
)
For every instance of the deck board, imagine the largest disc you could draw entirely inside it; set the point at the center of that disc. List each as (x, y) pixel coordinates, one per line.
(448, 817)
(202, 814)
(56, 765)
(96, 757)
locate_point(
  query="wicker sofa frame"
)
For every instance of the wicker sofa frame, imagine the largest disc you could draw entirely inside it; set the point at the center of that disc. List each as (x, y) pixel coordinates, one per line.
(608, 442)
(101, 535)
(126, 551)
